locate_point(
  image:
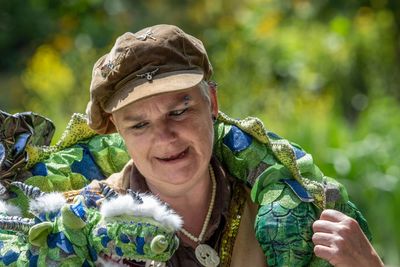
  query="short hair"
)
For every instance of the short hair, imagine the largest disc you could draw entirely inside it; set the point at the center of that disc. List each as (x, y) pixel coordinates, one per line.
(205, 91)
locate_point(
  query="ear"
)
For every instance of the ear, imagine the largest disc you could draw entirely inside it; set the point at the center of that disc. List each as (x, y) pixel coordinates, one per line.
(38, 233)
(214, 100)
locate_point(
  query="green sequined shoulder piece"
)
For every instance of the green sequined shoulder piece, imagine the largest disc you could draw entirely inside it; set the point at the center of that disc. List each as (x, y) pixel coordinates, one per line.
(289, 188)
(77, 130)
(284, 152)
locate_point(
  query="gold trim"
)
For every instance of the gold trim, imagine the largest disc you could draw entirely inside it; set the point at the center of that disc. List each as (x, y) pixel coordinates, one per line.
(236, 208)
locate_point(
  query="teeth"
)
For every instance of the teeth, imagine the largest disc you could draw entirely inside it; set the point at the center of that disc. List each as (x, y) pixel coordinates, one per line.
(175, 157)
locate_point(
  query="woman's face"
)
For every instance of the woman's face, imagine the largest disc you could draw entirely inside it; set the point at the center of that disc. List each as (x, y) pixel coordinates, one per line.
(169, 136)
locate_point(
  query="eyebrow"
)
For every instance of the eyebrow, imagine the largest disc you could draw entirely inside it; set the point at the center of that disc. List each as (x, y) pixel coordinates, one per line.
(180, 100)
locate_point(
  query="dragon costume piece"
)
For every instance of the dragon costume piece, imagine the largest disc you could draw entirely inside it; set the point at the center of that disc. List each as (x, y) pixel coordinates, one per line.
(291, 191)
(16, 131)
(131, 227)
(289, 188)
(77, 158)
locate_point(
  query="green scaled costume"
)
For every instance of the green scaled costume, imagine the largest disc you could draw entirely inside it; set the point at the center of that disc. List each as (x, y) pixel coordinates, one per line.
(131, 227)
(290, 190)
(73, 162)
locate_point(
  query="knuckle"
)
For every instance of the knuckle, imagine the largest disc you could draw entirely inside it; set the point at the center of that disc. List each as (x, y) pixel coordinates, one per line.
(314, 238)
(352, 223)
(344, 230)
(340, 243)
(318, 250)
(325, 213)
(316, 225)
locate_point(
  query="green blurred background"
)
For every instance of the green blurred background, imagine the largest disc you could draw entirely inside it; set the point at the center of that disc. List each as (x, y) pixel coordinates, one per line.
(324, 74)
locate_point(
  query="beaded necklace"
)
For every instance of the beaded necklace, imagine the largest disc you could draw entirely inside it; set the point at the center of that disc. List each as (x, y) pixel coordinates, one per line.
(205, 254)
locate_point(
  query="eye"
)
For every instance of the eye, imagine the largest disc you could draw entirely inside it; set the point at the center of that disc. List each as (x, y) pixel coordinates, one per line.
(139, 126)
(178, 112)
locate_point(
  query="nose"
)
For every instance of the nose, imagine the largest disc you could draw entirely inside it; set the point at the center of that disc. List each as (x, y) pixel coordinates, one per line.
(164, 132)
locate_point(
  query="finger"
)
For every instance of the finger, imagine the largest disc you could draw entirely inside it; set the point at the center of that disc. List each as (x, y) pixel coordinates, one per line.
(323, 239)
(324, 252)
(333, 216)
(325, 226)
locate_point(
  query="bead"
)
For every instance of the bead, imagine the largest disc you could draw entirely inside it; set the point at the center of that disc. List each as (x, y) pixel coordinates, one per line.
(208, 216)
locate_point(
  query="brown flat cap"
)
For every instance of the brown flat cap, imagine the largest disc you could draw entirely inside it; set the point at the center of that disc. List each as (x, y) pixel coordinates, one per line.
(155, 60)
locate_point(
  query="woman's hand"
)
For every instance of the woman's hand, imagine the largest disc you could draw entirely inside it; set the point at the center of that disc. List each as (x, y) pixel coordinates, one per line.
(340, 240)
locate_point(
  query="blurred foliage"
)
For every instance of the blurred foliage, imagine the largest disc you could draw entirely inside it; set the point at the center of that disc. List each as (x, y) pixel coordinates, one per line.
(324, 74)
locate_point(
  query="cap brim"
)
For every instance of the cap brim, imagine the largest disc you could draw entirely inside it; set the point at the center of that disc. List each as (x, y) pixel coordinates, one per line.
(163, 83)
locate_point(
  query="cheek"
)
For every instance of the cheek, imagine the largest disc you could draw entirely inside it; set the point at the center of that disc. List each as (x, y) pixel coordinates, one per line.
(136, 146)
(204, 134)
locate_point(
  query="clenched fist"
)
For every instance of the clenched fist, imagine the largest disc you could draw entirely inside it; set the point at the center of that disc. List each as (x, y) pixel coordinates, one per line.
(340, 240)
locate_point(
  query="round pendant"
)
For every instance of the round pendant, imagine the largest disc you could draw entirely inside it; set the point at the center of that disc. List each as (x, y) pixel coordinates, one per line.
(206, 255)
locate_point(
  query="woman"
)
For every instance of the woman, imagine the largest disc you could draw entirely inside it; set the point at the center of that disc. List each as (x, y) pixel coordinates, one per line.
(154, 89)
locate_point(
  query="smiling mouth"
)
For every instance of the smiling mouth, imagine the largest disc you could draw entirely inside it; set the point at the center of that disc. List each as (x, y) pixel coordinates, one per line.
(176, 156)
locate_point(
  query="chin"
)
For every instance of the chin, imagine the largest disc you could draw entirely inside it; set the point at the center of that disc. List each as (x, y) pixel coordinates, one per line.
(179, 178)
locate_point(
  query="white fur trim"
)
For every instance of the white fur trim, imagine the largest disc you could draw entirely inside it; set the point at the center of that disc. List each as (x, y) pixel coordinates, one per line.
(9, 209)
(47, 203)
(151, 207)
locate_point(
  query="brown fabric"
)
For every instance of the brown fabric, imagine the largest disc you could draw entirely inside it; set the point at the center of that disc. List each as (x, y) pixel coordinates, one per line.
(157, 59)
(119, 181)
(246, 251)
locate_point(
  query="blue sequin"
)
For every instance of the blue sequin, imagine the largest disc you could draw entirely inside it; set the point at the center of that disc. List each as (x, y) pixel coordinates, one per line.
(20, 144)
(101, 231)
(29, 254)
(52, 240)
(86, 264)
(39, 169)
(124, 238)
(48, 216)
(2, 152)
(90, 197)
(87, 166)
(105, 240)
(33, 261)
(10, 257)
(139, 245)
(79, 210)
(42, 216)
(299, 153)
(273, 136)
(61, 241)
(299, 190)
(119, 252)
(93, 253)
(237, 140)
